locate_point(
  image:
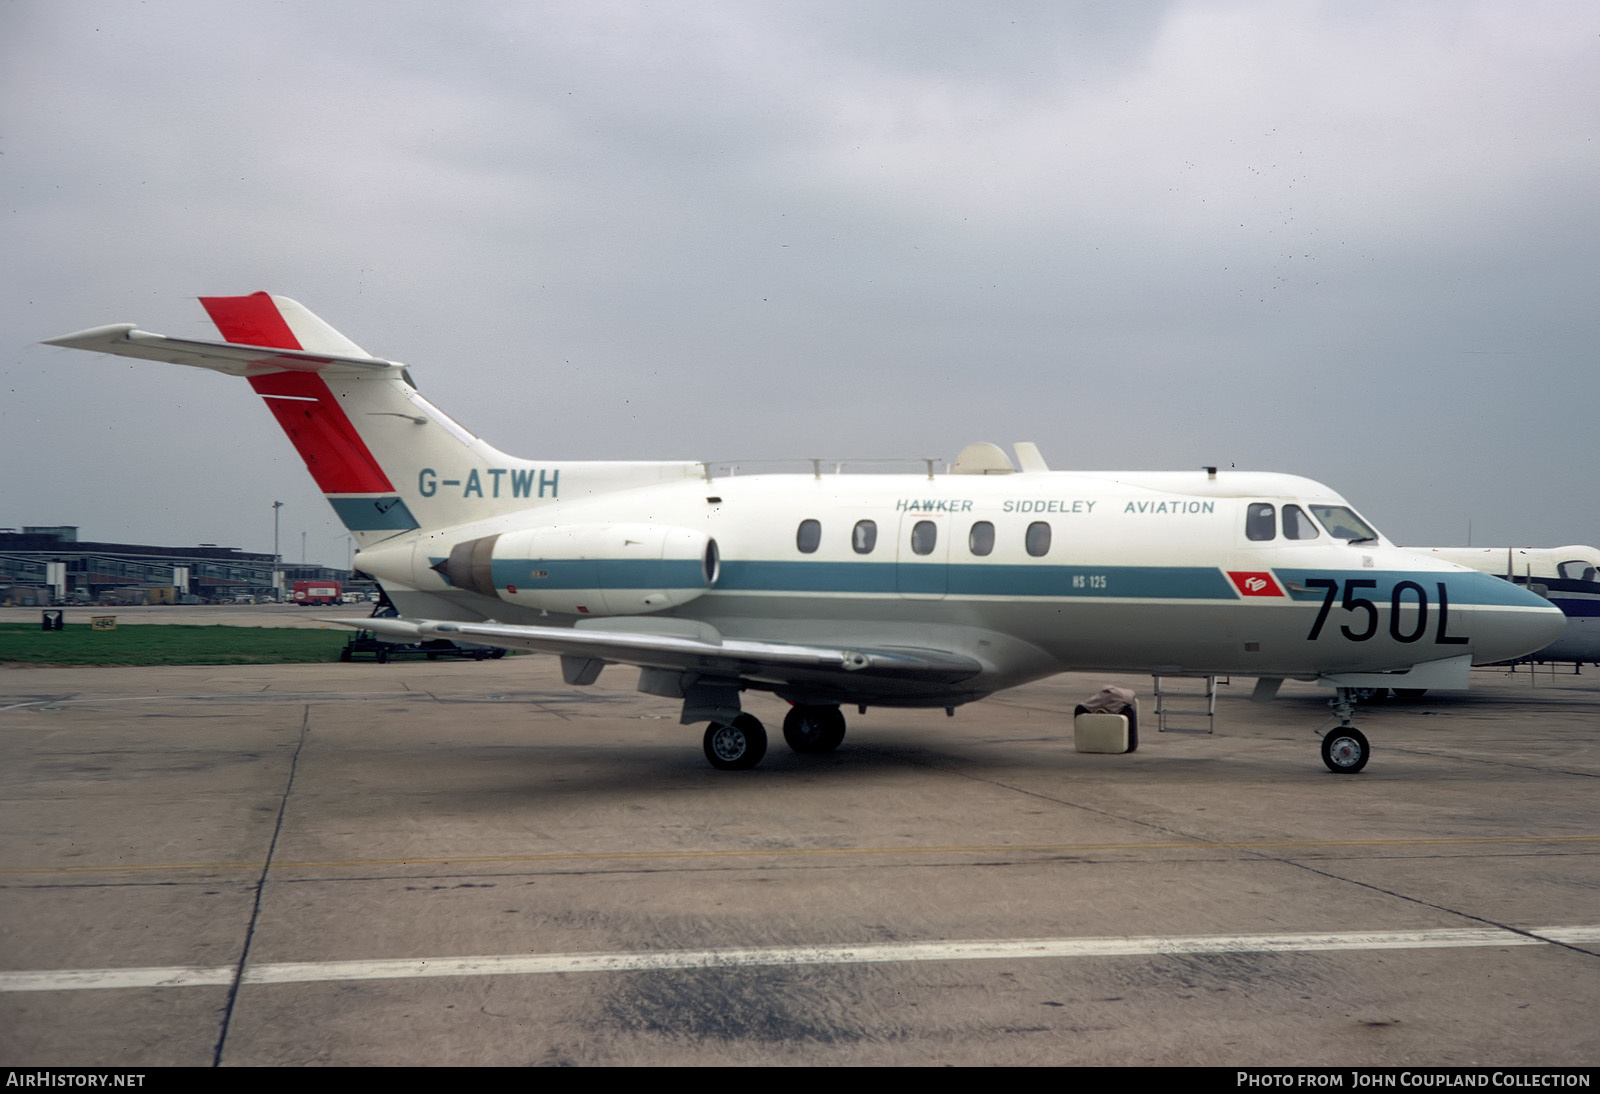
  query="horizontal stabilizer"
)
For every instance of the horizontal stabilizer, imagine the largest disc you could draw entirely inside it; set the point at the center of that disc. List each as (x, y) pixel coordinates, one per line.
(728, 657)
(126, 340)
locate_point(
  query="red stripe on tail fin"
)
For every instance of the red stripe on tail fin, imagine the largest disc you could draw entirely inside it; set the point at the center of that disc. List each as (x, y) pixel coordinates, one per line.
(322, 433)
(251, 320)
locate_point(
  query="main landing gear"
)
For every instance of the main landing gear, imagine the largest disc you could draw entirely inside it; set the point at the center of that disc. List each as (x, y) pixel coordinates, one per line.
(738, 745)
(813, 731)
(1344, 748)
(741, 743)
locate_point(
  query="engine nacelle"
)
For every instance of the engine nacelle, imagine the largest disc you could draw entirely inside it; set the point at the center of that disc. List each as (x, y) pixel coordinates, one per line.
(588, 569)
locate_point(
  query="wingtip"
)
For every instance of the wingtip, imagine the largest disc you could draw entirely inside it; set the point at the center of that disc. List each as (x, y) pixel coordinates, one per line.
(109, 333)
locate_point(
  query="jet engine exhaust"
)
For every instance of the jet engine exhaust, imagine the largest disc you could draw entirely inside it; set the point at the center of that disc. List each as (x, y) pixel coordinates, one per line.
(470, 565)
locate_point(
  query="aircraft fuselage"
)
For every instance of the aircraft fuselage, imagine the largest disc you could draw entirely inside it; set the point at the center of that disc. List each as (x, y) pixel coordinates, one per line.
(1135, 572)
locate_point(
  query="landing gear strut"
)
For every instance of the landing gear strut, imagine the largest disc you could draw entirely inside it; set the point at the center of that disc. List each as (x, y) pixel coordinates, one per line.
(738, 745)
(813, 730)
(1344, 748)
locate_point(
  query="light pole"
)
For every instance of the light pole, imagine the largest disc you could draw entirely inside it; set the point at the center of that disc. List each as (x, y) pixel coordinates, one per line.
(277, 581)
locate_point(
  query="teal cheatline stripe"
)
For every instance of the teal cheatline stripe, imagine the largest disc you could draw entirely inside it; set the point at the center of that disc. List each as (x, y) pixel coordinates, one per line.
(598, 573)
(374, 514)
(975, 579)
(1138, 582)
(1462, 588)
(807, 577)
(886, 578)
(922, 579)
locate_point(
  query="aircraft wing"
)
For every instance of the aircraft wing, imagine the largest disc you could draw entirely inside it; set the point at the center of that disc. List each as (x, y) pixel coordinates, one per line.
(705, 652)
(126, 340)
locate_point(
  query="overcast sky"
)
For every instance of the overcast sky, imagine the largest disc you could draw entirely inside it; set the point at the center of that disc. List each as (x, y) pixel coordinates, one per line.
(1355, 241)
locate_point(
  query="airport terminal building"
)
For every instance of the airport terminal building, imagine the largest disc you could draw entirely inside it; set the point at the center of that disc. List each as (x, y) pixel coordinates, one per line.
(47, 565)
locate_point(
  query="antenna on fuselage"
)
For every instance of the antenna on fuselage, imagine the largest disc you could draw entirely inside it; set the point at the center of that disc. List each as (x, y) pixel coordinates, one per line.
(1029, 458)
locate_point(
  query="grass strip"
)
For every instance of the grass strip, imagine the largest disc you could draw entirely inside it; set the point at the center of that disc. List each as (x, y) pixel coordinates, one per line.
(163, 644)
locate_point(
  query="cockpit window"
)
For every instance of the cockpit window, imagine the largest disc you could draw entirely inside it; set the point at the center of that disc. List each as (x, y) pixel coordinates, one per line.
(1576, 570)
(1342, 523)
(1296, 525)
(1261, 522)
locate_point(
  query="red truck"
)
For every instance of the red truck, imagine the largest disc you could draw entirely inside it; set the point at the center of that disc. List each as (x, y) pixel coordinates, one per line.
(310, 593)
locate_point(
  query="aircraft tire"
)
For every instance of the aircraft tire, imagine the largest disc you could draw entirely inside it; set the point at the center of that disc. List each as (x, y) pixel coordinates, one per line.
(813, 731)
(1345, 750)
(736, 746)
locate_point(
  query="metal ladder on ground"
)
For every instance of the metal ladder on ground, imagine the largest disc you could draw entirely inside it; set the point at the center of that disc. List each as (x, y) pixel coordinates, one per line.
(1186, 704)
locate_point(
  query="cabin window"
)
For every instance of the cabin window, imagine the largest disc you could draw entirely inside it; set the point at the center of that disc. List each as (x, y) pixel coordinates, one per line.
(1342, 523)
(1038, 539)
(711, 563)
(980, 541)
(1261, 522)
(924, 534)
(809, 537)
(1296, 525)
(864, 537)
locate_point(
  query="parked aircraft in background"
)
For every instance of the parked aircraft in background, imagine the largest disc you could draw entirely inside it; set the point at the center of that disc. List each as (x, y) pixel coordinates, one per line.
(1569, 577)
(828, 589)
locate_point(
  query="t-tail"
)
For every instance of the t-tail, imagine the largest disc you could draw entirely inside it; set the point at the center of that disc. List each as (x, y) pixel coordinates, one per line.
(388, 460)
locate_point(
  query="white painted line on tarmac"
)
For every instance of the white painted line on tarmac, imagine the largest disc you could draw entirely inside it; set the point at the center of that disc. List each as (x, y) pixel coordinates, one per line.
(1572, 936)
(76, 979)
(133, 699)
(1010, 949)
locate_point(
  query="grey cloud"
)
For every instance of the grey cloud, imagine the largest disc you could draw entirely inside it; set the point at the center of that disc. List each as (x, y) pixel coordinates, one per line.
(1350, 241)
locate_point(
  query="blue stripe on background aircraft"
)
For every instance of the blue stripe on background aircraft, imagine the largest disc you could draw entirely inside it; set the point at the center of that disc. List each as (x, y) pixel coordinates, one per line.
(1568, 577)
(898, 590)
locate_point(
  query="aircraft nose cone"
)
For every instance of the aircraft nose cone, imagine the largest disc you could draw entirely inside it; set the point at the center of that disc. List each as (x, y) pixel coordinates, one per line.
(1530, 624)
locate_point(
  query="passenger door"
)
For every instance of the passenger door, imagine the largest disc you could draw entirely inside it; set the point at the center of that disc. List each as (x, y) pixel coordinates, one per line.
(922, 553)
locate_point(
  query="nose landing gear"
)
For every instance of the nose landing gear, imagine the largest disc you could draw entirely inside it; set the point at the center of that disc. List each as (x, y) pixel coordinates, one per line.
(1344, 748)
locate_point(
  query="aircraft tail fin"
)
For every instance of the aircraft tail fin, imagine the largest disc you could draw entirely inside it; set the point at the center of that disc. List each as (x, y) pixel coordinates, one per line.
(387, 460)
(262, 319)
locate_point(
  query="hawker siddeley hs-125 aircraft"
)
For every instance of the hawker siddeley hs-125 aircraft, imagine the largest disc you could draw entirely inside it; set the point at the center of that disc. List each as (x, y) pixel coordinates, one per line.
(904, 590)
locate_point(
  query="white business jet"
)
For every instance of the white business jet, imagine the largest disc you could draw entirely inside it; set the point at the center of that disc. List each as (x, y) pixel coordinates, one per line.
(899, 590)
